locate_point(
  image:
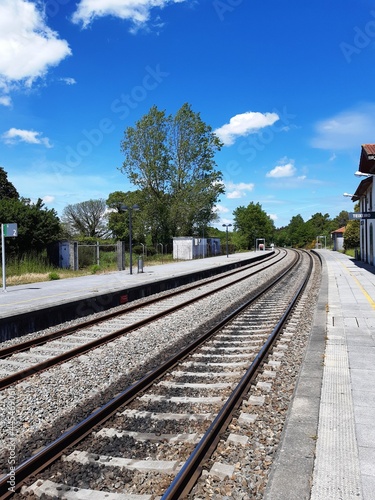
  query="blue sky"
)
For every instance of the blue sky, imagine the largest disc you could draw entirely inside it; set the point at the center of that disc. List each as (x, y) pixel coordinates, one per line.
(287, 85)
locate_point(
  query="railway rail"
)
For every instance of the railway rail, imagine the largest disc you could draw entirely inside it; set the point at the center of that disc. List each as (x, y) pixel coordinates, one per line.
(26, 358)
(171, 430)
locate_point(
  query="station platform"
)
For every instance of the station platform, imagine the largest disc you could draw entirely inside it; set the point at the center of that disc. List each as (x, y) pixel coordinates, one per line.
(33, 307)
(328, 445)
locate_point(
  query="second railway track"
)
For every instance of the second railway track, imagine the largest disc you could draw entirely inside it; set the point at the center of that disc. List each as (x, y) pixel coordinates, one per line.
(25, 358)
(223, 354)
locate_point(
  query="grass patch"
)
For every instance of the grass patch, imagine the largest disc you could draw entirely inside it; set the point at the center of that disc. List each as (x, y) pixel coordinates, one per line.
(26, 270)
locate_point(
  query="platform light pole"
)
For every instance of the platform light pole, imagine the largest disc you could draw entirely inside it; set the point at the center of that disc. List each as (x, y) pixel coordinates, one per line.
(227, 226)
(126, 208)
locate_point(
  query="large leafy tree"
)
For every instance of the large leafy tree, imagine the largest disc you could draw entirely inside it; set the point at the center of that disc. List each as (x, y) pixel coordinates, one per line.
(171, 161)
(118, 217)
(87, 218)
(352, 232)
(195, 184)
(37, 225)
(250, 223)
(7, 190)
(340, 220)
(298, 232)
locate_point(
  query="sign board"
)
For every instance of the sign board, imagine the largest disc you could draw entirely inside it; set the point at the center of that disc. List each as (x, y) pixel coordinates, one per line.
(6, 231)
(361, 215)
(10, 230)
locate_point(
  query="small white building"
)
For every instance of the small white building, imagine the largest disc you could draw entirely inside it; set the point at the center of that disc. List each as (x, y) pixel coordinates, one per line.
(189, 247)
(338, 238)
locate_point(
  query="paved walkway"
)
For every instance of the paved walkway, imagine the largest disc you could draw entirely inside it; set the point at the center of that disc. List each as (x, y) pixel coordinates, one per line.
(328, 445)
(345, 454)
(23, 298)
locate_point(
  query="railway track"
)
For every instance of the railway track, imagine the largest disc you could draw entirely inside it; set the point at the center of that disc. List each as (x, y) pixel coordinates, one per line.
(26, 358)
(156, 443)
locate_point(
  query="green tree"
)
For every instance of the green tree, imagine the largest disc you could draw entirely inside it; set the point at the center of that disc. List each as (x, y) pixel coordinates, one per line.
(118, 218)
(37, 225)
(298, 232)
(7, 190)
(171, 161)
(87, 218)
(351, 235)
(352, 232)
(340, 220)
(195, 184)
(250, 223)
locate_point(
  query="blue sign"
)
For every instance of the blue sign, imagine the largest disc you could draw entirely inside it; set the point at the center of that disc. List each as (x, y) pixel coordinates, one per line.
(10, 230)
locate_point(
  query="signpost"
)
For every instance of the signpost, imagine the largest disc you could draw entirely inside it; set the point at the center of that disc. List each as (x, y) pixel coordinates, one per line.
(361, 215)
(7, 230)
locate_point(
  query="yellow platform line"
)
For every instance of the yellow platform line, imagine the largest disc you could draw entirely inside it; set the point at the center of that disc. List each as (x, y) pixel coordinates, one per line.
(368, 297)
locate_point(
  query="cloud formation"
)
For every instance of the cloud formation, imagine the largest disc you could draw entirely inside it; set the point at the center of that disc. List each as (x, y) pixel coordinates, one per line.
(28, 47)
(238, 190)
(244, 124)
(15, 135)
(287, 170)
(346, 130)
(136, 11)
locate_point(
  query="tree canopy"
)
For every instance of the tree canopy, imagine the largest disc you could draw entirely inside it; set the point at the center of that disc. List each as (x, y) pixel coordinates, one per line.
(250, 223)
(86, 219)
(37, 225)
(170, 159)
(7, 190)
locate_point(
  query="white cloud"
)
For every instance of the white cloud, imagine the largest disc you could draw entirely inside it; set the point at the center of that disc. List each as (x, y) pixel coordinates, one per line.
(244, 124)
(240, 190)
(136, 11)
(48, 199)
(5, 101)
(287, 170)
(346, 130)
(14, 135)
(273, 217)
(28, 47)
(68, 81)
(220, 209)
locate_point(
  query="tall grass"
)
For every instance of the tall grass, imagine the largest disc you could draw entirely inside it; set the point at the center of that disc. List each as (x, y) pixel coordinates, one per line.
(28, 264)
(35, 268)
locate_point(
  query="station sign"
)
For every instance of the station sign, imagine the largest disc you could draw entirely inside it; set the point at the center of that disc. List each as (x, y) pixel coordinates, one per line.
(361, 215)
(7, 230)
(10, 230)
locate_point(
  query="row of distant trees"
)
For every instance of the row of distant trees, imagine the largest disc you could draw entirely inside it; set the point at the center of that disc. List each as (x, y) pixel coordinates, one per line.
(170, 162)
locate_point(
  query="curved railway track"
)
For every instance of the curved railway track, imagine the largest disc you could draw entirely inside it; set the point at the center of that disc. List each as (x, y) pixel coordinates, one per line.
(26, 358)
(168, 433)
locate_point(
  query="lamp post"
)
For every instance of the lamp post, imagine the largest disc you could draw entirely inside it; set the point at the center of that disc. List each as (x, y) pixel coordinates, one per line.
(227, 226)
(125, 208)
(363, 174)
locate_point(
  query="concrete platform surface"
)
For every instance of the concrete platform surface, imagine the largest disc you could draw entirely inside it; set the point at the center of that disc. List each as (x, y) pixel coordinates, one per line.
(328, 446)
(19, 299)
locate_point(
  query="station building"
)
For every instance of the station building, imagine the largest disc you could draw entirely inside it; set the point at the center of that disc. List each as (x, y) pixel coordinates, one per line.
(366, 196)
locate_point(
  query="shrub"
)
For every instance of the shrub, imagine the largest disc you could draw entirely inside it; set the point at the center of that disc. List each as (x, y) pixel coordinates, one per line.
(95, 268)
(53, 276)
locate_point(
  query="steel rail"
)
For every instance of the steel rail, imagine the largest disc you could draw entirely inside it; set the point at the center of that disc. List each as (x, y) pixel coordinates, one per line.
(77, 351)
(75, 434)
(23, 346)
(187, 477)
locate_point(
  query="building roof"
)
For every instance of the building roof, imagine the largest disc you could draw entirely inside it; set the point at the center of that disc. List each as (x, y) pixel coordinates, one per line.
(367, 159)
(341, 230)
(362, 188)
